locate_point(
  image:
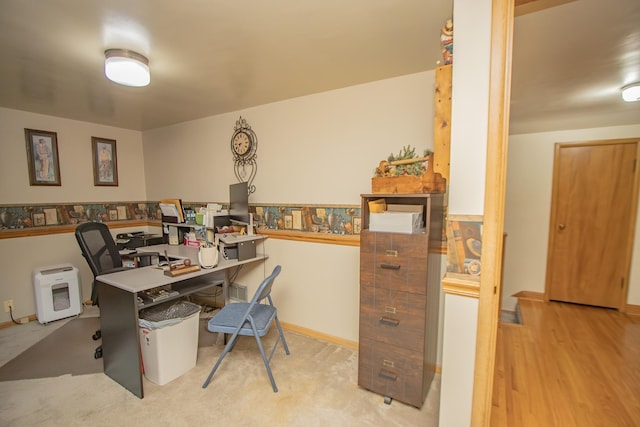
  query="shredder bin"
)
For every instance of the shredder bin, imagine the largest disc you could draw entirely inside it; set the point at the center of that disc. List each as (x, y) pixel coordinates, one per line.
(169, 340)
(57, 292)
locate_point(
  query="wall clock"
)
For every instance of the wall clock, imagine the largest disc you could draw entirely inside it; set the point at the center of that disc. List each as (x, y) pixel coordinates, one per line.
(244, 146)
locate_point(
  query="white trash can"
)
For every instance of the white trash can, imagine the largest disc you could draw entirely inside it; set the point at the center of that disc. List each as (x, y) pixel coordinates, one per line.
(169, 340)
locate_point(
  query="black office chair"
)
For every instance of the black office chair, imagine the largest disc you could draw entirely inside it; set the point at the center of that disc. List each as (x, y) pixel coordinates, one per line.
(102, 255)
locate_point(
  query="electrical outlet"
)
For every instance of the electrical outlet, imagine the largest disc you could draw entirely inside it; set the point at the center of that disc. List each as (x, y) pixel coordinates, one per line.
(9, 303)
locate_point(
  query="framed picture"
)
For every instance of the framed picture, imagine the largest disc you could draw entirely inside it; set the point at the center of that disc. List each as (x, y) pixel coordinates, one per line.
(296, 220)
(357, 225)
(42, 155)
(50, 216)
(122, 212)
(39, 219)
(105, 161)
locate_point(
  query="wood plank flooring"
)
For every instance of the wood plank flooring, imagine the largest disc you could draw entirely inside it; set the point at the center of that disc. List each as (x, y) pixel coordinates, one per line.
(567, 365)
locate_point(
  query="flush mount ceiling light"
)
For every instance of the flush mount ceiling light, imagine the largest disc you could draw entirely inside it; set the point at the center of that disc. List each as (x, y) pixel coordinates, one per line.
(126, 67)
(631, 93)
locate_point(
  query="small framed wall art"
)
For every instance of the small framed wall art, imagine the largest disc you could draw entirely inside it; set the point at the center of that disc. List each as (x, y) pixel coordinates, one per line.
(357, 225)
(105, 161)
(39, 219)
(42, 155)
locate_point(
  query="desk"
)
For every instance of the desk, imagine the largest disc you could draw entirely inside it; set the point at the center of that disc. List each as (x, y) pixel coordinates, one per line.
(119, 307)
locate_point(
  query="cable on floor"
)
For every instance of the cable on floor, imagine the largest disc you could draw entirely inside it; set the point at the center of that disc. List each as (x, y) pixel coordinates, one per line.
(12, 319)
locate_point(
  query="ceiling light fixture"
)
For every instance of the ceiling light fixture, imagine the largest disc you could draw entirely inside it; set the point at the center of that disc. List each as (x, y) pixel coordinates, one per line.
(631, 93)
(126, 67)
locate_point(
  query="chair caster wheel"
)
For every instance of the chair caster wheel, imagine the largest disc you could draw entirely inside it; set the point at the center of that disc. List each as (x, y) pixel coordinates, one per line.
(97, 335)
(97, 354)
(387, 400)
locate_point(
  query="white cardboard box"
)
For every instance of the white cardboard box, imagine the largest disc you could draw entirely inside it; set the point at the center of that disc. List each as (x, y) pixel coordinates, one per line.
(398, 219)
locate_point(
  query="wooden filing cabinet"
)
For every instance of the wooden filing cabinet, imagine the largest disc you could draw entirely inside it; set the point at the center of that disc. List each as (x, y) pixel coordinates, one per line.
(397, 345)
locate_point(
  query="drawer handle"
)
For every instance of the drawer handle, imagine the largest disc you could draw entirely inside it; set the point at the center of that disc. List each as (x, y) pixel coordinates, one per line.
(387, 375)
(389, 321)
(390, 266)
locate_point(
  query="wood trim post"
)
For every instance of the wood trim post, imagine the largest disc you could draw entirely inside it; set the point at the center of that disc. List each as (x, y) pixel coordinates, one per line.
(502, 17)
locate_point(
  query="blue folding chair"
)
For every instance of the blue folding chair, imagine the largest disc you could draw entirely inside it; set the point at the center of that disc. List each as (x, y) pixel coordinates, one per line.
(251, 319)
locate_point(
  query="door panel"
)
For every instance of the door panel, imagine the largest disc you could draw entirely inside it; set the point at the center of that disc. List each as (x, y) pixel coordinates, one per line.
(592, 219)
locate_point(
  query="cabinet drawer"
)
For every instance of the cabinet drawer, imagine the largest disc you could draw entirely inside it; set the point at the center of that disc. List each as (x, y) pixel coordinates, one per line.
(393, 317)
(391, 371)
(394, 261)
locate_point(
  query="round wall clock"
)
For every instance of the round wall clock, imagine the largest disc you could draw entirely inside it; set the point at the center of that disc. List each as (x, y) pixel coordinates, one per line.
(244, 145)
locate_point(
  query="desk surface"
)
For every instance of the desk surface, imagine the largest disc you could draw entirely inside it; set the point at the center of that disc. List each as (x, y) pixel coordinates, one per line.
(145, 278)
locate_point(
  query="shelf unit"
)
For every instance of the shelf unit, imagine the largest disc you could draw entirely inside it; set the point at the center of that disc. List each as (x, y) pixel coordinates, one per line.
(184, 289)
(220, 220)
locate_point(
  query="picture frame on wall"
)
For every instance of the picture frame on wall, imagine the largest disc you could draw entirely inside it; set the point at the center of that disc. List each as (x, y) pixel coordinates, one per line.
(42, 155)
(357, 225)
(50, 216)
(105, 161)
(39, 219)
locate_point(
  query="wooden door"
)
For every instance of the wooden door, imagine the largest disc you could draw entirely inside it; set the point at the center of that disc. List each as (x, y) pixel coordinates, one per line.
(592, 223)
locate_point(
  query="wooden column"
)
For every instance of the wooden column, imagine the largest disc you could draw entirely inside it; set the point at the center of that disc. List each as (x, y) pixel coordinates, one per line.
(442, 121)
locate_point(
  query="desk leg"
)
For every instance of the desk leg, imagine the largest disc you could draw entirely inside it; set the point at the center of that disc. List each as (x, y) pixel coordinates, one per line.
(225, 294)
(120, 340)
(225, 286)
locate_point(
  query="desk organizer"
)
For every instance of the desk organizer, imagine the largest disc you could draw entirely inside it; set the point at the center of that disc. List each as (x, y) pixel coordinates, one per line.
(182, 270)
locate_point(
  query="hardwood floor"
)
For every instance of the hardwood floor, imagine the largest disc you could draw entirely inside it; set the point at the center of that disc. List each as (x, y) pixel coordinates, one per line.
(567, 365)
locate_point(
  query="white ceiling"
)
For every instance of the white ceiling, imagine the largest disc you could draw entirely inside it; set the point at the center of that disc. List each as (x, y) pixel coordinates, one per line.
(569, 63)
(214, 56)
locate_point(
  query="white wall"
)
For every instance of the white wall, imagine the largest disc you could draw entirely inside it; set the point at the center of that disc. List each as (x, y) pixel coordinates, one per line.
(308, 292)
(469, 120)
(320, 148)
(470, 108)
(528, 208)
(76, 167)
(19, 256)
(458, 356)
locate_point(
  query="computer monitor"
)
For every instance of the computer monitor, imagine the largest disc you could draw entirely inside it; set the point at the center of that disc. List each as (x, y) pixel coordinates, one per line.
(239, 202)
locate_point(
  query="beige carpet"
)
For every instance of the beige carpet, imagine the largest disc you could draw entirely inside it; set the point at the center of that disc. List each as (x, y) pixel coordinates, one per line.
(317, 387)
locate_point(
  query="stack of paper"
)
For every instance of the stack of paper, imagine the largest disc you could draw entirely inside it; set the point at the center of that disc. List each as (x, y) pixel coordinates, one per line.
(172, 208)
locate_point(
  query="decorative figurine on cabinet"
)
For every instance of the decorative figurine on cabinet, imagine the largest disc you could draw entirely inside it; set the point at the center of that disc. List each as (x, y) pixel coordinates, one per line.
(446, 41)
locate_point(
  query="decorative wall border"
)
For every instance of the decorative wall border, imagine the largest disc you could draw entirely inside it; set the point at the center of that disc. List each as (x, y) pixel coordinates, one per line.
(290, 220)
(464, 244)
(18, 219)
(331, 223)
(464, 251)
(321, 219)
(461, 284)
